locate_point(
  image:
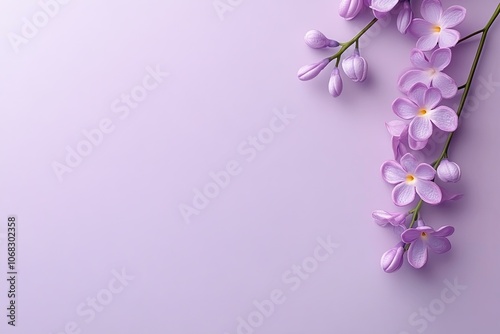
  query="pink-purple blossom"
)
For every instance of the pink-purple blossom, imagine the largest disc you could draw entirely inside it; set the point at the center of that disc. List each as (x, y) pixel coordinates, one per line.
(429, 72)
(436, 26)
(349, 9)
(411, 177)
(423, 109)
(448, 171)
(392, 260)
(405, 17)
(311, 71)
(423, 238)
(335, 84)
(355, 67)
(317, 40)
(384, 218)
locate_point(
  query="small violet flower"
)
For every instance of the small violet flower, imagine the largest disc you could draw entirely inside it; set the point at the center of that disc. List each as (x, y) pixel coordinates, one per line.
(424, 237)
(405, 17)
(349, 9)
(355, 67)
(400, 139)
(335, 84)
(429, 72)
(392, 260)
(409, 177)
(435, 27)
(310, 71)
(317, 40)
(422, 108)
(448, 171)
(383, 218)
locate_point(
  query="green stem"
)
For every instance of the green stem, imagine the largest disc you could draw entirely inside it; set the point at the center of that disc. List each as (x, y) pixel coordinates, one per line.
(470, 36)
(444, 153)
(355, 39)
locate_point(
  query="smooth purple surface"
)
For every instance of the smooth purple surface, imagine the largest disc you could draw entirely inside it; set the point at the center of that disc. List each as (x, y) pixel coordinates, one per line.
(317, 177)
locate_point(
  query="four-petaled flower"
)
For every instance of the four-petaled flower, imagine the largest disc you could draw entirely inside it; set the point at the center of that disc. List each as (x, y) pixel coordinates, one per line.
(411, 177)
(423, 109)
(429, 72)
(435, 27)
(422, 238)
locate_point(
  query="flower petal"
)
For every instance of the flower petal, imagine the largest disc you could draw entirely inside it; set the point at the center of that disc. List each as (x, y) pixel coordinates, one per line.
(417, 94)
(452, 17)
(425, 172)
(440, 59)
(444, 231)
(438, 244)
(403, 194)
(412, 77)
(418, 59)
(410, 235)
(396, 127)
(431, 10)
(392, 172)
(445, 84)
(432, 98)
(428, 191)
(420, 128)
(404, 108)
(420, 27)
(448, 38)
(409, 163)
(444, 118)
(428, 42)
(417, 254)
(383, 5)
(415, 144)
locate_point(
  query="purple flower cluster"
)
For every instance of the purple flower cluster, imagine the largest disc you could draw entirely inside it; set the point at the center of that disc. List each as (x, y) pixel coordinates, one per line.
(424, 87)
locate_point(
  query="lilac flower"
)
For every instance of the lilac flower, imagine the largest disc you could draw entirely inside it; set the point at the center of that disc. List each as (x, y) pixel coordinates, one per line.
(435, 27)
(423, 237)
(335, 84)
(392, 260)
(409, 177)
(422, 108)
(448, 171)
(405, 17)
(310, 71)
(383, 218)
(429, 72)
(355, 67)
(316, 40)
(349, 9)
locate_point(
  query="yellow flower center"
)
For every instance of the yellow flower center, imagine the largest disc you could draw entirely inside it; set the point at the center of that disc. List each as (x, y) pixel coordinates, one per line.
(423, 234)
(410, 178)
(422, 112)
(437, 29)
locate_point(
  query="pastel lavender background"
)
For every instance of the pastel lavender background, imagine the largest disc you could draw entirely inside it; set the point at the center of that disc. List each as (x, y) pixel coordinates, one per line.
(319, 177)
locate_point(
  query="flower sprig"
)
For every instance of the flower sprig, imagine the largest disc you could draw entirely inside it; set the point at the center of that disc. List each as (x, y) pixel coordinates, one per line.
(416, 175)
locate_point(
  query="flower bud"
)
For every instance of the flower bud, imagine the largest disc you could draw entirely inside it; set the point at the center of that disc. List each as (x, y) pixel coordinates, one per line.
(355, 67)
(383, 218)
(349, 9)
(405, 17)
(316, 40)
(448, 171)
(335, 83)
(392, 260)
(310, 71)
